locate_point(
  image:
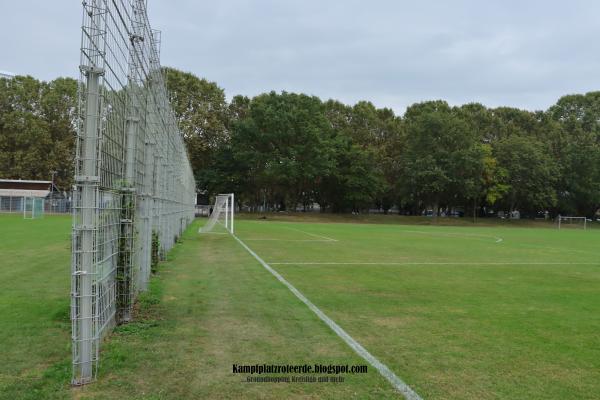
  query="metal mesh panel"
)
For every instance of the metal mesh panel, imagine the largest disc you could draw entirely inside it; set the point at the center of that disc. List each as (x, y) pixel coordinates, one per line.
(132, 173)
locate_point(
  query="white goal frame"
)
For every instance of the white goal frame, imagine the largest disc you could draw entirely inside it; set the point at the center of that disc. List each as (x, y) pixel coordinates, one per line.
(33, 207)
(567, 218)
(224, 206)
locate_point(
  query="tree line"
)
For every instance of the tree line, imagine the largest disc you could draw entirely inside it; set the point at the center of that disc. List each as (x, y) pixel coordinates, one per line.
(288, 151)
(37, 129)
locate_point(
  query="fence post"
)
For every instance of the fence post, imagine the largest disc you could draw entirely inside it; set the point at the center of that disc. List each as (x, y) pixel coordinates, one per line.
(88, 185)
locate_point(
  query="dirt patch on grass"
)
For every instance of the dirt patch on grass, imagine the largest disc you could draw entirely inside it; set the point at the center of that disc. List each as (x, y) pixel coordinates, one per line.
(395, 322)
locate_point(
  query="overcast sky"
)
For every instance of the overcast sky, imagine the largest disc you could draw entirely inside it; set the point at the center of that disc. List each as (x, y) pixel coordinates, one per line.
(392, 52)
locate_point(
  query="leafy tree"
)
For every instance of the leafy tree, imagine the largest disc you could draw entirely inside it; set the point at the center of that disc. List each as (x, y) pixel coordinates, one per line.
(284, 144)
(442, 161)
(354, 182)
(37, 128)
(237, 110)
(508, 121)
(376, 132)
(486, 184)
(577, 146)
(202, 112)
(59, 106)
(286, 149)
(531, 173)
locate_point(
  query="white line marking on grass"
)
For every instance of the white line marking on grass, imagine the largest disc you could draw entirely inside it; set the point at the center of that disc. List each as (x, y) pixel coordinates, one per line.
(290, 240)
(387, 373)
(435, 263)
(328, 239)
(459, 234)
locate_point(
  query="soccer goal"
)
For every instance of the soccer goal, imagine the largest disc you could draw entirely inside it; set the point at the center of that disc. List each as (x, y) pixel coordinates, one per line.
(572, 222)
(33, 207)
(220, 219)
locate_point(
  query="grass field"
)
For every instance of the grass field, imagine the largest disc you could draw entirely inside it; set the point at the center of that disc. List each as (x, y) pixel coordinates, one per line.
(34, 306)
(457, 312)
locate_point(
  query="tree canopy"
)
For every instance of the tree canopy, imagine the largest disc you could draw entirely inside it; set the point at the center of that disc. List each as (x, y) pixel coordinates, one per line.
(37, 129)
(290, 151)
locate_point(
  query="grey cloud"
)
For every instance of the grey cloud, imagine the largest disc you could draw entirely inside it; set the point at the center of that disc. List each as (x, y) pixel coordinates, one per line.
(393, 53)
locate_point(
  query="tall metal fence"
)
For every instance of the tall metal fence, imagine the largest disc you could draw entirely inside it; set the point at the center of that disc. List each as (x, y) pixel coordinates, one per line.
(134, 184)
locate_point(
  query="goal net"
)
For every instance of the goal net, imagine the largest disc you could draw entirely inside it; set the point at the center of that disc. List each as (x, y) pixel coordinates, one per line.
(33, 207)
(572, 222)
(220, 219)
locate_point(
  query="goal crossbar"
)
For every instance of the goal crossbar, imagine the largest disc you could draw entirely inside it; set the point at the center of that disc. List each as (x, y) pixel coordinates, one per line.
(563, 218)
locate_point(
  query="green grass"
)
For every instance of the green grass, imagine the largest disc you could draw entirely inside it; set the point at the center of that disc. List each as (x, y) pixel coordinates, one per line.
(512, 318)
(395, 219)
(34, 307)
(453, 310)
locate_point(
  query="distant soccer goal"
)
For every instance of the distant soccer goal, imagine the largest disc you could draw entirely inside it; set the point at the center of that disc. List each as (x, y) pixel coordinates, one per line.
(222, 215)
(572, 222)
(33, 207)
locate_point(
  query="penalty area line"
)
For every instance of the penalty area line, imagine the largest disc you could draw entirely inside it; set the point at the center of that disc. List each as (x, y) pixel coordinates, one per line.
(288, 240)
(496, 239)
(387, 373)
(325, 238)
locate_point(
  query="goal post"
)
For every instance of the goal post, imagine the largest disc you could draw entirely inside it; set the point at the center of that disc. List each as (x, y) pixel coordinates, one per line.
(222, 215)
(572, 222)
(33, 207)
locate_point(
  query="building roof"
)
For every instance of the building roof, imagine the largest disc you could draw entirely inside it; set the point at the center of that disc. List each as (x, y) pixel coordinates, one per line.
(25, 184)
(24, 193)
(23, 181)
(20, 188)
